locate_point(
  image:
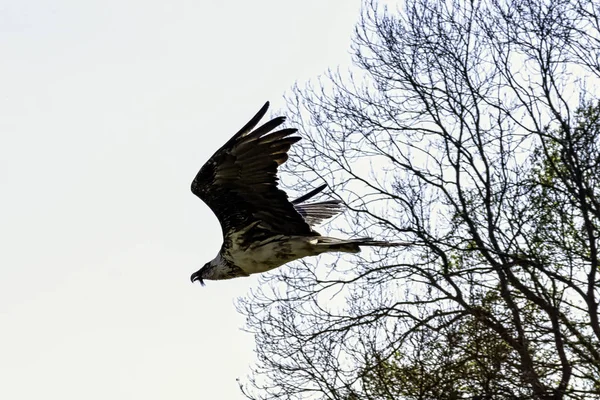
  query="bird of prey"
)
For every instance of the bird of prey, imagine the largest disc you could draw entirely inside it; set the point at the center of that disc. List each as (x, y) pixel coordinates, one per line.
(262, 229)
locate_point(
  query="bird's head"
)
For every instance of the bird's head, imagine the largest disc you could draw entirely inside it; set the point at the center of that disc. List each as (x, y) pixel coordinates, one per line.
(200, 275)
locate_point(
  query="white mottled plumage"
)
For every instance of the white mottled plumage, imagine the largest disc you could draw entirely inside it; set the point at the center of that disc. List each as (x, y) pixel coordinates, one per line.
(262, 229)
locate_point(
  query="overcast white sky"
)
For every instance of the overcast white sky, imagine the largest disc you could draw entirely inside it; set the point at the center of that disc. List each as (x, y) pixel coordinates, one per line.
(107, 111)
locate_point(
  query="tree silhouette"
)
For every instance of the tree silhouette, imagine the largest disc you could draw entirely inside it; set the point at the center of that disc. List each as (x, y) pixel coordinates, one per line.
(470, 130)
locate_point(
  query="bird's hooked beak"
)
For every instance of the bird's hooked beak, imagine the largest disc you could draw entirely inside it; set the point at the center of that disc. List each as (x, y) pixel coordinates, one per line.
(196, 277)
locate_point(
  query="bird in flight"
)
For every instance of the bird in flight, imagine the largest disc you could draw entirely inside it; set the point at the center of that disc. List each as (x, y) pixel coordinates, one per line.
(262, 229)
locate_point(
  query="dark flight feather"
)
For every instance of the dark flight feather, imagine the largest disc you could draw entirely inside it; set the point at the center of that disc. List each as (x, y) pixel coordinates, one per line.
(309, 195)
(239, 182)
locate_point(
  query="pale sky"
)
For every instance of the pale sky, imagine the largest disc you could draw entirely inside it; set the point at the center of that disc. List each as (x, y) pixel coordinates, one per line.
(107, 111)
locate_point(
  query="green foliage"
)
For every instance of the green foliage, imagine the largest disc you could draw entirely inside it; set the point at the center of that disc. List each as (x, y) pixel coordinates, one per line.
(466, 360)
(460, 138)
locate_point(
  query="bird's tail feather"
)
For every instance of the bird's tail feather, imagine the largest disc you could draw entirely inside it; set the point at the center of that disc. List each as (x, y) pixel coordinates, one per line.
(353, 245)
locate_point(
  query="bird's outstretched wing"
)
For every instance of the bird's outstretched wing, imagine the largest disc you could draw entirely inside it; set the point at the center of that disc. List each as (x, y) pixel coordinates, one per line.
(315, 213)
(239, 182)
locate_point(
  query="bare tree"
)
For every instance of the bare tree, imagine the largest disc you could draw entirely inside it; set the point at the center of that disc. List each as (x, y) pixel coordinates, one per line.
(470, 130)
